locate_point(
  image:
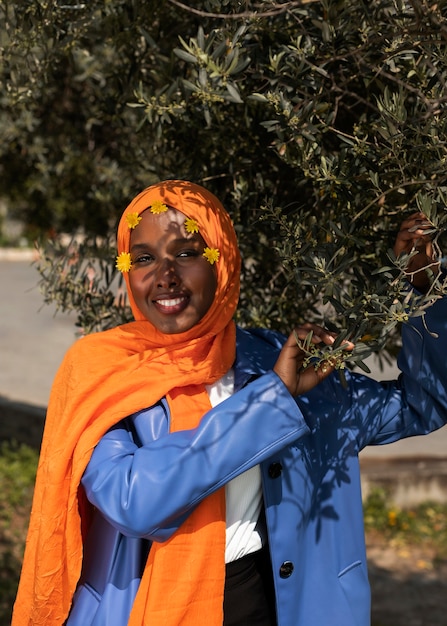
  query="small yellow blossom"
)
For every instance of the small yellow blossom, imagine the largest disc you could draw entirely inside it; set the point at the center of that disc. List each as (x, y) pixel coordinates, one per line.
(123, 262)
(392, 518)
(158, 207)
(191, 225)
(211, 255)
(133, 219)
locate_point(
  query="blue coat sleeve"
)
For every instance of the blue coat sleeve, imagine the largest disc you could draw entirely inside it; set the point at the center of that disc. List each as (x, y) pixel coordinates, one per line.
(368, 412)
(146, 490)
(422, 386)
(417, 403)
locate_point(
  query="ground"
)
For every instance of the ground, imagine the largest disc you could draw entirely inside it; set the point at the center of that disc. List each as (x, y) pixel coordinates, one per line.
(409, 585)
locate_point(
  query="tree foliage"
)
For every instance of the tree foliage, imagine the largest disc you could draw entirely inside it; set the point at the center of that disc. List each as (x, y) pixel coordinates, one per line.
(320, 124)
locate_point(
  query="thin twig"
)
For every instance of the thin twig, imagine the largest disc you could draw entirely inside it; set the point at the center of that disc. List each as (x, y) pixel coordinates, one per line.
(283, 8)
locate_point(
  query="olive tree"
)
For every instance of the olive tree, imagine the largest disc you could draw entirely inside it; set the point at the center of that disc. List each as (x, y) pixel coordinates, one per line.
(320, 124)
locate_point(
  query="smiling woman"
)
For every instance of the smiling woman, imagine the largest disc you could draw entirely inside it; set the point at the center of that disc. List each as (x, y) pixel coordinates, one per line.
(194, 473)
(172, 283)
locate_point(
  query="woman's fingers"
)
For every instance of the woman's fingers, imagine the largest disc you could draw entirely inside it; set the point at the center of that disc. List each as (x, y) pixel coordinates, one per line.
(289, 366)
(414, 231)
(415, 234)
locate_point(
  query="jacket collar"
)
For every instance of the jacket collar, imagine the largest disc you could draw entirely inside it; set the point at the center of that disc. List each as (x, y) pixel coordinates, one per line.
(256, 354)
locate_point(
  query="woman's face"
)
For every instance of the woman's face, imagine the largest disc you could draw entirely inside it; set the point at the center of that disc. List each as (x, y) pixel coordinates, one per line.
(173, 285)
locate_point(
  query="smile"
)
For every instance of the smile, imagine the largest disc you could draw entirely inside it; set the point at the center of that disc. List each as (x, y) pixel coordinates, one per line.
(171, 305)
(172, 302)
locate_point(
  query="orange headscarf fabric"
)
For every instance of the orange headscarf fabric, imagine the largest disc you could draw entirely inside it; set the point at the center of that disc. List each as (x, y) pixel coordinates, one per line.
(103, 378)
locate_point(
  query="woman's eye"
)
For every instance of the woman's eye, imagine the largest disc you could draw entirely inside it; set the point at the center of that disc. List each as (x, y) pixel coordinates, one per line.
(188, 253)
(143, 258)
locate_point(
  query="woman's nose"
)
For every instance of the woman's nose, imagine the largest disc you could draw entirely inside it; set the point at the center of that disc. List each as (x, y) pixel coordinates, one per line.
(167, 275)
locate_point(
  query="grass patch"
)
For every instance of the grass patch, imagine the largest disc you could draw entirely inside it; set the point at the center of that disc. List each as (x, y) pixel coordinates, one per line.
(18, 465)
(425, 524)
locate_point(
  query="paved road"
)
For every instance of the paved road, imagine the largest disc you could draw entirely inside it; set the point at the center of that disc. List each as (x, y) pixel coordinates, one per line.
(33, 341)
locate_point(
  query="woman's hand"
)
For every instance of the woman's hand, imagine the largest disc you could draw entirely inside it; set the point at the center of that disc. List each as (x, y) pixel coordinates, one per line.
(412, 236)
(289, 365)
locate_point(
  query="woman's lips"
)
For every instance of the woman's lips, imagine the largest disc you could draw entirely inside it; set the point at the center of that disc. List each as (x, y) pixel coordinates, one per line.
(171, 306)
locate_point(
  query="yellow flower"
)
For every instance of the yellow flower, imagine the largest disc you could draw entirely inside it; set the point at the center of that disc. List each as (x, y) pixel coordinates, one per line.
(211, 255)
(158, 207)
(191, 225)
(133, 219)
(123, 262)
(392, 518)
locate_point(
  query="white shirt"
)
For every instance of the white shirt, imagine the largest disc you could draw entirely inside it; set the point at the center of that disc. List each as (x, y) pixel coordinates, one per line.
(243, 494)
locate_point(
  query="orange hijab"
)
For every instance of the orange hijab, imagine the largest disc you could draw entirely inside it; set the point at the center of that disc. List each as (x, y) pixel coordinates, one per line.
(103, 378)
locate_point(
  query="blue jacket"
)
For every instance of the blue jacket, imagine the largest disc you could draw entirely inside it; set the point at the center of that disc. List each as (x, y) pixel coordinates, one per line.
(144, 480)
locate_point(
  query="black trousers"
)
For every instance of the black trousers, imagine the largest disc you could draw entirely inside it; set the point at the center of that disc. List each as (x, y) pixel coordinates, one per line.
(249, 598)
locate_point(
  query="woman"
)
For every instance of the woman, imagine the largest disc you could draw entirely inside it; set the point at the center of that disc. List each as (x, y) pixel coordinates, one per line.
(192, 472)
